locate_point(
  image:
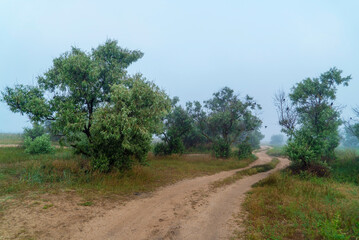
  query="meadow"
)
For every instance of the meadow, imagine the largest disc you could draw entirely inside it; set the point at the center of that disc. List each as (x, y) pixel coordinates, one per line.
(287, 206)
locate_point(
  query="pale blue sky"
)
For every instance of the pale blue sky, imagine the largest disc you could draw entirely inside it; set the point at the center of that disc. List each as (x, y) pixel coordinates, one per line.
(192, 48)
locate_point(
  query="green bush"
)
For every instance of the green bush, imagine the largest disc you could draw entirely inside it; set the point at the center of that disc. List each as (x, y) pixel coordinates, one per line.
(160, 148)
(173, 146)
(39, 145)
(36, 131)
(244, 150)
(222, 149)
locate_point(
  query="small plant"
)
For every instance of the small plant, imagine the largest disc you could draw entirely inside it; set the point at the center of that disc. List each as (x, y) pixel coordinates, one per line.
(86, 204)
(47, 206)
(39, 145)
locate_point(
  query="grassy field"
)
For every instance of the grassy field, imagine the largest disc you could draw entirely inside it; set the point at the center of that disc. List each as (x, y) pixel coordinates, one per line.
(10, 138)
(284, 206)
(23, 174)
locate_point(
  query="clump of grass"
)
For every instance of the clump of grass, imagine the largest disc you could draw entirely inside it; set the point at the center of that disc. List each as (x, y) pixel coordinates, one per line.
(47, 206)
(276, 151)
(284, 206)
(248, 172)
(86, 204)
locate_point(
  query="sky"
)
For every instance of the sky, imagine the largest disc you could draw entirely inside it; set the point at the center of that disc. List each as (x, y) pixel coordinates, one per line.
(192, 48)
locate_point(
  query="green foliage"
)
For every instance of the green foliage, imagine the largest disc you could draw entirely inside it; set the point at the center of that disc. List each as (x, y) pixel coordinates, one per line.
(277, 151)
(222, 149)
(177, 124)
(95, 105)
(73, 89)
(122, 131)
(255, 138)
(277, 140)
(39, 145)
(300, 151)
(244, 150)
(345, 168)
(311, 119)
(37, 130)
(161, 148)
(225, 120)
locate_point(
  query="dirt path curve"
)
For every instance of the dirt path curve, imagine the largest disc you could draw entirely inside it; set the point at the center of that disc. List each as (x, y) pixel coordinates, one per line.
(189, 209)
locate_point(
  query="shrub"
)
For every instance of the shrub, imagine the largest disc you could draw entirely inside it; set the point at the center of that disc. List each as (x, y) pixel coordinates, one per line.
(160, 148)
(39, 145)
(222, 149)
(36, 131)
(244, 150)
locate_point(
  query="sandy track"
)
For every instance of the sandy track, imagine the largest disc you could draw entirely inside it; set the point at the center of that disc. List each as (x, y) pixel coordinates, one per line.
(189, 209)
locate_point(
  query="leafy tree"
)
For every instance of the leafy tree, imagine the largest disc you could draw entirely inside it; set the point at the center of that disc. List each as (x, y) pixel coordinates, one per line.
(255, 138)
(178, 124)
(225, 120)
(95, 105)
(277, 140)
(71, 91)
(122, 129)
(310, 118)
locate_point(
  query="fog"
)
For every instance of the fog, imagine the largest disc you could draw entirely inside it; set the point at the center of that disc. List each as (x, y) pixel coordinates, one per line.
(192, 49)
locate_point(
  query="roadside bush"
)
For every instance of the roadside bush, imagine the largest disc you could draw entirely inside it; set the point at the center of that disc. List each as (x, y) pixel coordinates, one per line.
(244, 150)
(160, 148)
(222, 149)
(39, 145)
(300, 152)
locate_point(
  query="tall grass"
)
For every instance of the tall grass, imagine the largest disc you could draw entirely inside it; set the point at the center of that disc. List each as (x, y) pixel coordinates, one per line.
(20, 172)
(284, 206)
(346, 166)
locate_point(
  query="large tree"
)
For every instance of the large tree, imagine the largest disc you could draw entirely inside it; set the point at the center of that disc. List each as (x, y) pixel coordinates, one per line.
(225, 119)
(310, 118)
(75, 86)
(92, 102)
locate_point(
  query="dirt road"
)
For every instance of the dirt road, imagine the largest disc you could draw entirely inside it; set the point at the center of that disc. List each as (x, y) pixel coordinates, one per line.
(189, 209)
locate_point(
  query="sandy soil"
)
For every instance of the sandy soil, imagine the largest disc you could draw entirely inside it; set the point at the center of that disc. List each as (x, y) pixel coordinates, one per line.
(189, 209)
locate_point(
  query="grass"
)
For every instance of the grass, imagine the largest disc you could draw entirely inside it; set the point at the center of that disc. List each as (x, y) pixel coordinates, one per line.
(286, 206)
(23, 174)
(248, 172)
(276, 151)
(11, 138)
(346, 168)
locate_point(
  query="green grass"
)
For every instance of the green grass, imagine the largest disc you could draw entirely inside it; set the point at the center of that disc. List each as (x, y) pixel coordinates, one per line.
(248, 172)
(345, 168)
(11, 138)
(286, 206)
(276, 151)
(23, 174)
